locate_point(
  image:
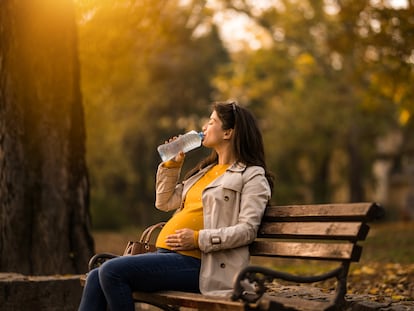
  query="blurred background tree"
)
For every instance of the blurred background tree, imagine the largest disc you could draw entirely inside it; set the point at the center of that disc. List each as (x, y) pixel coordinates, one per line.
(324, 76)
(329, 80)
(146, 68)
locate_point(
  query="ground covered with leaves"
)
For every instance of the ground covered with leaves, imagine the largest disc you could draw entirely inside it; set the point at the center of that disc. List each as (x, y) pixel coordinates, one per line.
(383, 282)
(386, 269)
(385, 273)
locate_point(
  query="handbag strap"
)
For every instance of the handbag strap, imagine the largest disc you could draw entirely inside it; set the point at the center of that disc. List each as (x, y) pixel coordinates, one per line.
(146, 235)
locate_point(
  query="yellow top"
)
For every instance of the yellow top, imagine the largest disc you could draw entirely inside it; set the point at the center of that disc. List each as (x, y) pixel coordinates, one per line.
(191, 216)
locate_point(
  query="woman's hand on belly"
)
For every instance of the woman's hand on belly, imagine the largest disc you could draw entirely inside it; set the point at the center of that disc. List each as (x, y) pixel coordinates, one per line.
(181, 240)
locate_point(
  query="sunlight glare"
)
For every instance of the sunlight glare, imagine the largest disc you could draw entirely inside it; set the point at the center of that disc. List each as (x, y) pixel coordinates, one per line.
(410, 58)
(239, 31)
(258, 6)
(395, 4)
(398, 4)
(331, 7)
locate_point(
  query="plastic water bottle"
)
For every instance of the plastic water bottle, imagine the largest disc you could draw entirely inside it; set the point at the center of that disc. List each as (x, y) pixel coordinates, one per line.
(185, 143)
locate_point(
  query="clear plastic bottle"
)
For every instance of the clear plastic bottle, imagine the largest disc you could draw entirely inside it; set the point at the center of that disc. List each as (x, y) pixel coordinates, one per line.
(185, 143)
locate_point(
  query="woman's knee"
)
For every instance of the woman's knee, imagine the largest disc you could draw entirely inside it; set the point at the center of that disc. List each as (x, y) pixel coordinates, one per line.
(107, 270)
(93, 276)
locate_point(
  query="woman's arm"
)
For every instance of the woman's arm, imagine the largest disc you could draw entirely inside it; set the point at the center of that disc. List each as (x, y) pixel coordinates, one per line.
(168, 190)
(254, 197)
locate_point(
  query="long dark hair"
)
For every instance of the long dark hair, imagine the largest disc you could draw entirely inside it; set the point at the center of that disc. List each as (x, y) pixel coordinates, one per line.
(247, 138)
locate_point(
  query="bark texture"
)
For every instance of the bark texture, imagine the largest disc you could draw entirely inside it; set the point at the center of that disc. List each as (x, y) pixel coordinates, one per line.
(44, 213)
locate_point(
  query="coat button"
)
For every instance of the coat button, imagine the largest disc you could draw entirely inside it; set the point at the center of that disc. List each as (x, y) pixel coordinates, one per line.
(222, 265)
(226, 198)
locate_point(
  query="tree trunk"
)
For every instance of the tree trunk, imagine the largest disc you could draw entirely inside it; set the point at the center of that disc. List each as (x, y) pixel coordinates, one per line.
(356, 175)
(320, 184)
(44, 213)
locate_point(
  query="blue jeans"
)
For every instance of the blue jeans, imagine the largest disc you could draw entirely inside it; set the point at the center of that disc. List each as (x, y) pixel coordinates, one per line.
(111, 285)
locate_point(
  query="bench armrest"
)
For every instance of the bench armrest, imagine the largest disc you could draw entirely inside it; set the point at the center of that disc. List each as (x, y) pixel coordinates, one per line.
(98, 259)
(250, 286)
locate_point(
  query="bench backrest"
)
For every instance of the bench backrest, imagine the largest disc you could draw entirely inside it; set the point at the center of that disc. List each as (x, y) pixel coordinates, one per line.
(322, 231)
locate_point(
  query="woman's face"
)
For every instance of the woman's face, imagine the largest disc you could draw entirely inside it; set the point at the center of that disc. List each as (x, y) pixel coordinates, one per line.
(214, 135)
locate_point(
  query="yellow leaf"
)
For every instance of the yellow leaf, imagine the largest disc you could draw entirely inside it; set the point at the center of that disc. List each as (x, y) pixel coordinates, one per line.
(368, 270)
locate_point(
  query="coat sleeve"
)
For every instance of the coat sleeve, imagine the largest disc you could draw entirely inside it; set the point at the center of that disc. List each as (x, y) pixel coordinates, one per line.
(168, 190)
(252, 202)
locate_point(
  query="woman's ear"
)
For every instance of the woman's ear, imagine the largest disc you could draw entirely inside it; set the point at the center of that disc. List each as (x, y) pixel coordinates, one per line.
(228, 134)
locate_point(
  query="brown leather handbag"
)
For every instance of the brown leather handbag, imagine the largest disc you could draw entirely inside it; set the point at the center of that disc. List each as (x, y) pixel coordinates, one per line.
(144, 245)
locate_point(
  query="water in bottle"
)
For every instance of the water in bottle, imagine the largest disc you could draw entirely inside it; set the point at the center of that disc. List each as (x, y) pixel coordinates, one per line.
(185, 143)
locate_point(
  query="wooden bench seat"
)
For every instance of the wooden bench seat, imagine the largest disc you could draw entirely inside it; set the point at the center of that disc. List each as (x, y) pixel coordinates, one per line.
(173, 299)
(321, 232)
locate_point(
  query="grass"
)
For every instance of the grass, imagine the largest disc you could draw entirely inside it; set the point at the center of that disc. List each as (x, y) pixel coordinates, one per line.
(390, 242)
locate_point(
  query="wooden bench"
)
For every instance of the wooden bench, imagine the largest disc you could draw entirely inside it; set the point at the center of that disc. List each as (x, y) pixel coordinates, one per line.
(323, 232)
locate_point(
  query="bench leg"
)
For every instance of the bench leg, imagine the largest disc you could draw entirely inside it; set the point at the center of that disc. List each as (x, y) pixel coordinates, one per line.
(342, 287)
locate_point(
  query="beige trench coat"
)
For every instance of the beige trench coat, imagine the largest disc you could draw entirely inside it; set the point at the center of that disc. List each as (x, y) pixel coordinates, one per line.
(233, 205)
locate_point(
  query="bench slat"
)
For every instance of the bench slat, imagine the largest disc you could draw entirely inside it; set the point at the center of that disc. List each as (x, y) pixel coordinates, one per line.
(303, 250)
(352, 231)
(324, 212)
(189, 300)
